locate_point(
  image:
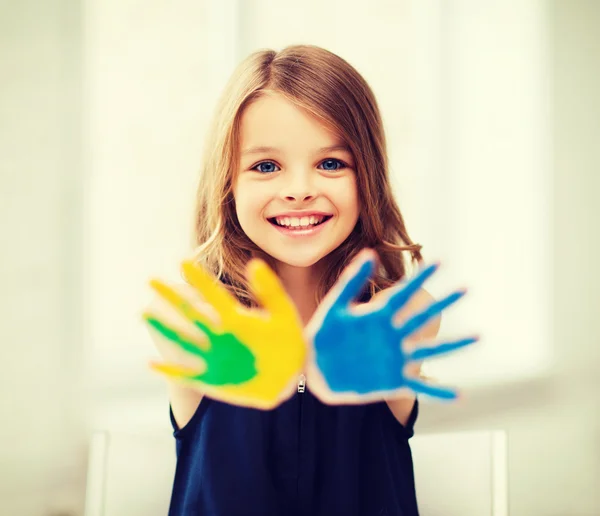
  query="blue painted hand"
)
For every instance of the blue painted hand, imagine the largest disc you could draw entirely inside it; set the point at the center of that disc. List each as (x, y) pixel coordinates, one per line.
(358, 351)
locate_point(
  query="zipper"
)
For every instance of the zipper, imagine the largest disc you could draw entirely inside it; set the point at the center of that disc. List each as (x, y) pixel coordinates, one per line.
(301, 389)
(301, 383)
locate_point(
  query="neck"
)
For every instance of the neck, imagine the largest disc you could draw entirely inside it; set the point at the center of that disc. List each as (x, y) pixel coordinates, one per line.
(300, 283)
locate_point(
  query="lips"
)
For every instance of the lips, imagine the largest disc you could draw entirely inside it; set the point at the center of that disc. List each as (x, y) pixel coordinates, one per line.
(285, 221)
(300, 232)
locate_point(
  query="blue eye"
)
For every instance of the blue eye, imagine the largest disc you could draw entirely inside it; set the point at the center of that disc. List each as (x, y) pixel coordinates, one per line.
(270, 171)
(334, 162)
(268, 167)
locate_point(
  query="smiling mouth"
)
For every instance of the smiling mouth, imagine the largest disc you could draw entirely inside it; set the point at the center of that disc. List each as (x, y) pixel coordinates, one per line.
(298, 225)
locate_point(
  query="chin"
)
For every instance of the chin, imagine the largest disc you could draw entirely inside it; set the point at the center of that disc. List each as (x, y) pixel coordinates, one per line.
(302, 259)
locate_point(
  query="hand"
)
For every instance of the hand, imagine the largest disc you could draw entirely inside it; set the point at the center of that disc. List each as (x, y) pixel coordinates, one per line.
(358, 353)
(252, 356)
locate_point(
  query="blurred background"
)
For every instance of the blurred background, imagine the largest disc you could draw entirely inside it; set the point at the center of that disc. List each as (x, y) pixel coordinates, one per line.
(492, 115)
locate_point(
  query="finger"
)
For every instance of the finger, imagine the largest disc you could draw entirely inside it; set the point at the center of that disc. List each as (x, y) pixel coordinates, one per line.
(182, 341)
(269, 291)
(439, 349)
(355, 278)
(348, 286)
(431, 390)
(404, 291)
(174, 370)
(215, 293)
(182, 305)
(416, 322)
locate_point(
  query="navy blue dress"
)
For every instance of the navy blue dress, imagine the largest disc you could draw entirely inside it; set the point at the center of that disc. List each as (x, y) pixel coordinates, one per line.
(302, 458)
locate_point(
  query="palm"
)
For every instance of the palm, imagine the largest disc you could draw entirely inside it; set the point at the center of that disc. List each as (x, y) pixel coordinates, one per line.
(359, 352)
(228, 361)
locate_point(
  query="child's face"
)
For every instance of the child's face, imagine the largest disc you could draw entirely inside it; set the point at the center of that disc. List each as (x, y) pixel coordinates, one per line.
(276, 191)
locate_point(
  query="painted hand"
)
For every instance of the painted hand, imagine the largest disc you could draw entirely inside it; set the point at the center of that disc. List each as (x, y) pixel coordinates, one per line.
(252, 356)
(358, 351)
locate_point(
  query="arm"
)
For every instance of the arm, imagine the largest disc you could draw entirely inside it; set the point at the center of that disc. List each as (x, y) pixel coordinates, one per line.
(402, 407)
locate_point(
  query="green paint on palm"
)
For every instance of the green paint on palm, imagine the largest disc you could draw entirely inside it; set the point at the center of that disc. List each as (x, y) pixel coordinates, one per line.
(228, 361)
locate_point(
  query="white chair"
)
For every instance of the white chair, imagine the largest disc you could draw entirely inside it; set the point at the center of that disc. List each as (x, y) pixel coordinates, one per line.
(456, 474)
(461, 473)
(130, 474)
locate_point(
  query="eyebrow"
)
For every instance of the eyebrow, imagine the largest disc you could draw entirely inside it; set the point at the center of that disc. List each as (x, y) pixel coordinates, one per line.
(260, 150)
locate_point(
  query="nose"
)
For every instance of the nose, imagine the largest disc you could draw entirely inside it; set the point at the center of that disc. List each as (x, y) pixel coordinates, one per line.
(299, 197)
(298, 188)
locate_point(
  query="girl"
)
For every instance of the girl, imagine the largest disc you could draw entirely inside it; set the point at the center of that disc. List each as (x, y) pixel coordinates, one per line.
(296, 173)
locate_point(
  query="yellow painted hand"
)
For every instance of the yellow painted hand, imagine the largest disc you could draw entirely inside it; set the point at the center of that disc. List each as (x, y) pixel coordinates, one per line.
(252, 356)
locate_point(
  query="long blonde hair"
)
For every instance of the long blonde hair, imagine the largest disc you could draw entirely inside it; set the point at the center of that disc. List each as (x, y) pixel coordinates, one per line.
(330, 89)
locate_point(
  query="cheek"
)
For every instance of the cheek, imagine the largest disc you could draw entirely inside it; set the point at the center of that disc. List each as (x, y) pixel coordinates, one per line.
(250, 200)
(346, 196)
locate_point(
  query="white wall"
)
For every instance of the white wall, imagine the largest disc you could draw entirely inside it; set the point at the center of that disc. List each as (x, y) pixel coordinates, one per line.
(153, 72)
(484, 180)
(553, 422)
(41, 431)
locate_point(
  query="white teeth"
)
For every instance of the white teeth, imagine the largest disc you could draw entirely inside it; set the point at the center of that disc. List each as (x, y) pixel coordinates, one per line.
(299, 221)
